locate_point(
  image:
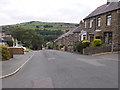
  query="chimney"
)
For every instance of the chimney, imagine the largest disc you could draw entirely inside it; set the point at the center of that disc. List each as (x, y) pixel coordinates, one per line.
(110, 1)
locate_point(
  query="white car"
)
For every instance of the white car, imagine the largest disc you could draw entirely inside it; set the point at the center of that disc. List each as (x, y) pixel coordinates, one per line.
(20, 47)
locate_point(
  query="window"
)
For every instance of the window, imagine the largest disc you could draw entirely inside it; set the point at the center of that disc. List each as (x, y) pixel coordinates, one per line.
(108, 37)
(84, 37)
(91, 22)
(99, 21)
(109, 20)
(98, 37)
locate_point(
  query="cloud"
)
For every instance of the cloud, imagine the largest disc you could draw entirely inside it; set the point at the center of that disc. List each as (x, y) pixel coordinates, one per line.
(15, 11)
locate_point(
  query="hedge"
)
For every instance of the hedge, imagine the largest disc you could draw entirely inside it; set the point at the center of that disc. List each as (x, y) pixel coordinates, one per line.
(5, 54)
(85, 43)
(97, 42)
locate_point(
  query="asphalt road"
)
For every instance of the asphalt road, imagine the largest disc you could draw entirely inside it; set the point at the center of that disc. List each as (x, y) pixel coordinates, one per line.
(57, 69)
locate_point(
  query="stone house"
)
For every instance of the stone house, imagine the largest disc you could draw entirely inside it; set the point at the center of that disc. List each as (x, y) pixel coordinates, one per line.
(79, 33)
(66, 39)
(103, 23)
(6, 36)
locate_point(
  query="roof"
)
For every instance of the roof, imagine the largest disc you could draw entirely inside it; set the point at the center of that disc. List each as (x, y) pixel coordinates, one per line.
(104, 9)
(70, 32)
(65, 34)
(77, 30)
(7, 38)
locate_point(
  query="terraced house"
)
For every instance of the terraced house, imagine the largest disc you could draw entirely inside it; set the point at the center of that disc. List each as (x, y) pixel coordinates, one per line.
(104, 22)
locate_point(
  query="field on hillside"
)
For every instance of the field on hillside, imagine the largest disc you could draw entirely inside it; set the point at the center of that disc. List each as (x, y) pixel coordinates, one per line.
(50, 31)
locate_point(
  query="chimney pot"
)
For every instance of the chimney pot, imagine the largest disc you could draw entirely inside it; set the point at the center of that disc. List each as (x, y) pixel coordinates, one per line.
(110, 1)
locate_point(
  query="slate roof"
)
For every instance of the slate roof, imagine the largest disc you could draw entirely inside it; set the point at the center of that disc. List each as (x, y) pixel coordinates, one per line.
(7, 38)
(77, 30)
(104, 9)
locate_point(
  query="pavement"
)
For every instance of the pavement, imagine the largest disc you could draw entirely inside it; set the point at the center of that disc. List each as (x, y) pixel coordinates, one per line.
(108, 55)
(58, 69)
(14, 64)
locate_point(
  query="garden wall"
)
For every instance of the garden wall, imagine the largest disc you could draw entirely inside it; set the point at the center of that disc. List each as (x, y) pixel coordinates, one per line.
(97, 49)
(16, 50)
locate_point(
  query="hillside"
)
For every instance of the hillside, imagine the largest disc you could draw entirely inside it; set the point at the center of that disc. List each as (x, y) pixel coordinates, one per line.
(49, 31)
(43, 25)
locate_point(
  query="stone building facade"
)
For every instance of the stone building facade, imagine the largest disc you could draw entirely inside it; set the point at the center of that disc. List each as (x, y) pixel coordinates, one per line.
(103, 23)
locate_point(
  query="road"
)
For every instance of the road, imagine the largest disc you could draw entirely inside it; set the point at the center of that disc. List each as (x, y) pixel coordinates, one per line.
(57, 69)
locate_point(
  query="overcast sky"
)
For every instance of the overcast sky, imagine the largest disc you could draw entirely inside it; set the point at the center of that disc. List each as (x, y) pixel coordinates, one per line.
(72, 11)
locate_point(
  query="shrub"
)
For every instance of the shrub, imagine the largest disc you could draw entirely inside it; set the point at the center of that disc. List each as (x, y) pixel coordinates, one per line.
(50, 46)
(85, 43)
(79, 47)
(61, 45)
(5, 52)
(10, 43)
(97, 42)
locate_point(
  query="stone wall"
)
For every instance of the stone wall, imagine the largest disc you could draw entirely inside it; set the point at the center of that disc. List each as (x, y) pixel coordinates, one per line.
(16, 51)
(95, 50)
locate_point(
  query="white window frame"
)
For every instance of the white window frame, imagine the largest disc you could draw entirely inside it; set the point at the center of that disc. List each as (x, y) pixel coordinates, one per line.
(109, 18)
(99, 22)
(91, 23)
(84, 35)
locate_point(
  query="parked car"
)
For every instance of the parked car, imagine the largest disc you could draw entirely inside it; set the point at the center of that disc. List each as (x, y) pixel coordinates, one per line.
(20, 46)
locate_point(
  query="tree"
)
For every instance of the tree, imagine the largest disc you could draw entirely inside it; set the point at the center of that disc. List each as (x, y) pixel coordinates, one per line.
(29, 38)
(10, 43)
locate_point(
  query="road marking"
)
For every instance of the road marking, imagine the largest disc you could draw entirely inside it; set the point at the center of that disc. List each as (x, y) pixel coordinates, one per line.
(51, 58)
(92, 62)
(17, 69)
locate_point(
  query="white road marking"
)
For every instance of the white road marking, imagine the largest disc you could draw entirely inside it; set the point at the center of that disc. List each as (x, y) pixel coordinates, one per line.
(51, 58)
(1, 77)
(92, 62)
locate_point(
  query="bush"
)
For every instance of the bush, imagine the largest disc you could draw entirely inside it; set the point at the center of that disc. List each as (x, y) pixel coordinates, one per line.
(85, 43)
(50, 46)
(97, 42)
(61, 45)
(10, 43)
(5, 52)
(79, 47)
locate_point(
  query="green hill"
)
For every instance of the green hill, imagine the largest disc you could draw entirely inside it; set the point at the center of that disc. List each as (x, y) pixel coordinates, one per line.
(43, 25)
(49, 30)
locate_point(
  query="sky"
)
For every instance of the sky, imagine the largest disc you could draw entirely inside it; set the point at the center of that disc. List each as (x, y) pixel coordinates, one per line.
(69, 11)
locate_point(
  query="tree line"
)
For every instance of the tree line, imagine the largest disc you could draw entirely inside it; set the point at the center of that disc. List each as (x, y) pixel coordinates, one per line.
(29, 38)
(34, 39)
